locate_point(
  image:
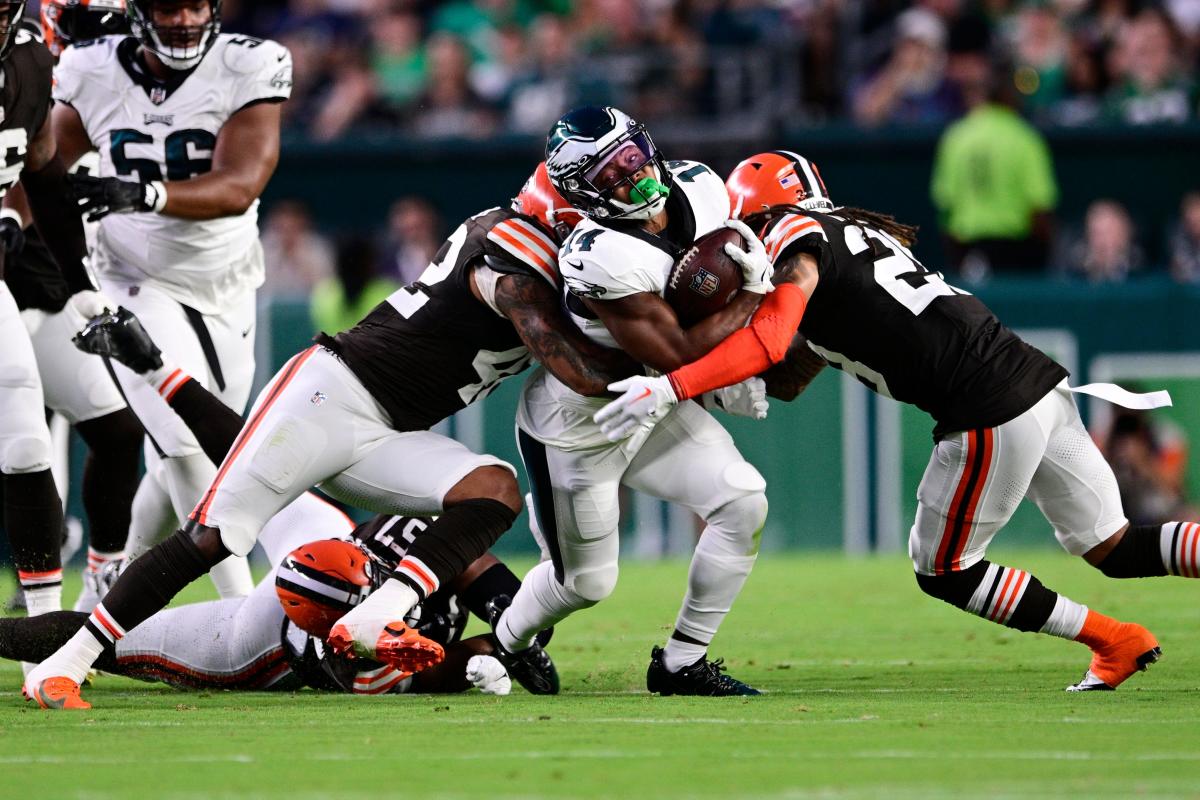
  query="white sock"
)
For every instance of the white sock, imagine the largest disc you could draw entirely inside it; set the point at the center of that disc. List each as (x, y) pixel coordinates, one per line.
(43, 600)
(74, 659)
(164, 375)
(97, 560)
(677, 654)
(232, 578)
(42, 590)
(1067, 618)
(541, 602)
(388, 603)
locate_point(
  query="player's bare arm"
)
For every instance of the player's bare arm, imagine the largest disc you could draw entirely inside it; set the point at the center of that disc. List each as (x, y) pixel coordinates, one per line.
(800, 270)
(245, 157)
(646, 328)
(787, 379)
(533, 307)
(69, 133)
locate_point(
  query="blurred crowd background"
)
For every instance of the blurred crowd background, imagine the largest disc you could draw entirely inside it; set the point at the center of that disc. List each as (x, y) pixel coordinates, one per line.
(481, 67)
(990, 73)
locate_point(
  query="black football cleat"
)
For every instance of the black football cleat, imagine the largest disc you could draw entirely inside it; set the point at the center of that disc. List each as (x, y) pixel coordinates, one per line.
(703, 679)
(532, 667)
(121, 337)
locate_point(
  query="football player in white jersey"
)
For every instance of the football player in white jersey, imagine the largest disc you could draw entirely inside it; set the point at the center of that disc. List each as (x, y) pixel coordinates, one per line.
(77, 386)
(642, 214)
(186, 120)
(32, 508)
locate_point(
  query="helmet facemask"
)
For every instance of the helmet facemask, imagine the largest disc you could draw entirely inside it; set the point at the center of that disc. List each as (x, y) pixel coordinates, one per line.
(178, 47)
(589, 171)
(10, 18)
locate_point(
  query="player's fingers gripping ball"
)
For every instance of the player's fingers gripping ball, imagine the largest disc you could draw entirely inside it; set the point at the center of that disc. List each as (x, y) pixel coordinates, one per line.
(757, 270)
(318, 583)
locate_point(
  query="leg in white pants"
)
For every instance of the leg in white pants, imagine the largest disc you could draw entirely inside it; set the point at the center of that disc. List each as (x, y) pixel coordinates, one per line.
(185, 470)
(692, 461)
(689, 459)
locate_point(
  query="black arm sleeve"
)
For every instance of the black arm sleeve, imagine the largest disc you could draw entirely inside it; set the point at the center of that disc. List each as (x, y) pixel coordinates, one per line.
(215, 424)
(59, 221)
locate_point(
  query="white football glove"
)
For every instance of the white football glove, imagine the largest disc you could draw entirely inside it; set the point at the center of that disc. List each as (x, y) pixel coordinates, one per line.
(644, 399)
(88, 304)
(488, 676)
(756, 266)
(745, 399)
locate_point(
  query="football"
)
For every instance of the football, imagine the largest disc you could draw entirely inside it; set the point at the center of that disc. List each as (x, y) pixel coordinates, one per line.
(704, 279)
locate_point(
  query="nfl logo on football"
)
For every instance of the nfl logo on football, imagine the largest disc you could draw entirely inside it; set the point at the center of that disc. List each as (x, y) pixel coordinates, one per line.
(705, 283)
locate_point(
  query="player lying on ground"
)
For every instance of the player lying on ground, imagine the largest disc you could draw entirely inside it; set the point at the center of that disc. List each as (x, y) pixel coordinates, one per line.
(1006, 422)
(32, 508)
(238, 644)
(353, 413)
(249, 643)
(643, 214)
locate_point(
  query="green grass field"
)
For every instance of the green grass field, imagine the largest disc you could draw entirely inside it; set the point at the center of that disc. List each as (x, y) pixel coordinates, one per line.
(872, 690)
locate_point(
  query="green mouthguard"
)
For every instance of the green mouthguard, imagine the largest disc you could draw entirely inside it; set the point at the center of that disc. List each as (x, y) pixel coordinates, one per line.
(647, 190)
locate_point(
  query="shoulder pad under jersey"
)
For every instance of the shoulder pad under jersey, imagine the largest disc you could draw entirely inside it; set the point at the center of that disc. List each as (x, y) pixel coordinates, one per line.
(606, 264)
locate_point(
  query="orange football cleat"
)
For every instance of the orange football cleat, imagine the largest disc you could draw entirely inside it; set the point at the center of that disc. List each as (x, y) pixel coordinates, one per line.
(397, 645)
(57, 693)
(1119, 649)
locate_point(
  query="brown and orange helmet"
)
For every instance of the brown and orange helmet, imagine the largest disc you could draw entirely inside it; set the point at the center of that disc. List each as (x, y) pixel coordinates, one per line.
(776, 178)
(539, 199)
(67, 22)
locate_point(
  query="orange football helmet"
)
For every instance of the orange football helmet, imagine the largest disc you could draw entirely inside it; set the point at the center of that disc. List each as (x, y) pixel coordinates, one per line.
(539, 199)
(776, 178)
(320, 581)
(66, 22)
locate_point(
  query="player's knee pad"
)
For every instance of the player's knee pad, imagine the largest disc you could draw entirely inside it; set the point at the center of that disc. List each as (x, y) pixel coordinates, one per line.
(955, 588)
(286, 452)
(23, 454)
(237, 536)
(18, 375)
(593, 584)
(739, 522)
(736, 527)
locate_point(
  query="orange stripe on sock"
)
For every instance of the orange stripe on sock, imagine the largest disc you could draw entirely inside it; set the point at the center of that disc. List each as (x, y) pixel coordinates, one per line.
(999, 604)
(111, 627)
(171, 394)
(1195, 541)
(167, 382)
(410, 566)
(1022, 579)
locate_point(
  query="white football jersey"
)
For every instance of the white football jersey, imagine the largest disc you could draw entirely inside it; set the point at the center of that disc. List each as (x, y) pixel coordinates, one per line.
(146, 131)
(602, 262)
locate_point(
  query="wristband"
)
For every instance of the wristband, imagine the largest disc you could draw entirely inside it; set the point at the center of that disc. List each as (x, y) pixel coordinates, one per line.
(13, 214)
(156, 196)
